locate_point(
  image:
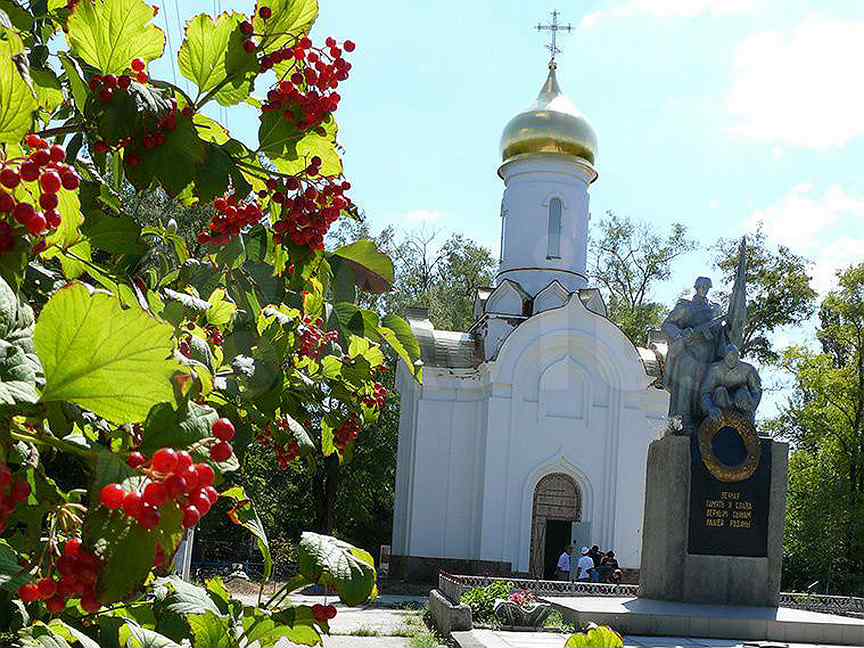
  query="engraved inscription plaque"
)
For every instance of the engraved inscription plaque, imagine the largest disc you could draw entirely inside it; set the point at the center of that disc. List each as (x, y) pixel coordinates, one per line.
(729, 518)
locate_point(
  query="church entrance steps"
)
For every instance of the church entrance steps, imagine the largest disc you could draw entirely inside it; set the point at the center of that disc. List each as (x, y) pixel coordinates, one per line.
(639, 616)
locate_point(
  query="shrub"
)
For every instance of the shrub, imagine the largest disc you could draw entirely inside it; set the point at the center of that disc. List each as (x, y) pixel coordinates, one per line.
(481, 600)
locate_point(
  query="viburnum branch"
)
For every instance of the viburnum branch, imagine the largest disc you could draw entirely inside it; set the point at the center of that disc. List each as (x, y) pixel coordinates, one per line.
(61, 130)
(52, 442)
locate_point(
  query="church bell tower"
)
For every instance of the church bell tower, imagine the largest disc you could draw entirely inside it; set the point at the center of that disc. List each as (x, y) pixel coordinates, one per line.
(548, 155)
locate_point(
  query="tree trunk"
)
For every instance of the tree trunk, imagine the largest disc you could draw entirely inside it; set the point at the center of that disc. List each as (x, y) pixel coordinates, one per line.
(326, 497)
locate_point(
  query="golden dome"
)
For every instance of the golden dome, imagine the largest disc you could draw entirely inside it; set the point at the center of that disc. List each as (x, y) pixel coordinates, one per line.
(551, 125)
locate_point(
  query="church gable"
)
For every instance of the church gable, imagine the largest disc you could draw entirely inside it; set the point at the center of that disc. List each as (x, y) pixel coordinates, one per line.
(552, 296)
(576, 330)
(508, 299)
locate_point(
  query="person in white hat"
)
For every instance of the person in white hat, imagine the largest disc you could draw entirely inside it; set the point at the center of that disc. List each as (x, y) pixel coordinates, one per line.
(584, 565)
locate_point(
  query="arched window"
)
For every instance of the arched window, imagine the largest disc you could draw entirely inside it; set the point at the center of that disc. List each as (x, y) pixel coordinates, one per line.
(503, 232)
(553, 231)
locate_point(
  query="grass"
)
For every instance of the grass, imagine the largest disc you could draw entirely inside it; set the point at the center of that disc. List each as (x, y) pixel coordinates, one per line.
(364, 631)
(556, 621)
(424, 639)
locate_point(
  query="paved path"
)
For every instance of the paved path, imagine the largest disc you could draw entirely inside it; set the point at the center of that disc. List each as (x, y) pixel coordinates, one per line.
(365, 642)
(498, 639)
(388, 616)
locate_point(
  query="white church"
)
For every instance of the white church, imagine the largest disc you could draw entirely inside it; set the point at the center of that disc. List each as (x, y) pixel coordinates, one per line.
(531, 429)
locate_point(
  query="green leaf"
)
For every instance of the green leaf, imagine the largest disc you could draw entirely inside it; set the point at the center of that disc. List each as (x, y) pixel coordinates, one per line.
(296, 624)
(221, 311)
(596, 637)
(245, 515)
(399, 337)
(115, 234)
(17, 377)
(111, 361)
(49, 92)
(181, 597)
(40, 636)
(373, 270)
(174, 164)
(126, 549)
(17, 102)
(107, 468)
(345, 568)
(350, 319)
(71, 634)
(167, 428)
(297, 159)
(108, 34)
(12, 575)
(75, 79)
(211, 630)
(134, 636)
(289, 20)
(212, 55)
(328, 434)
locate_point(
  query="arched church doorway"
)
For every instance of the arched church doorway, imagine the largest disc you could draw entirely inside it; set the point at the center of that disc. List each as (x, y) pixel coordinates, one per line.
(557, 507)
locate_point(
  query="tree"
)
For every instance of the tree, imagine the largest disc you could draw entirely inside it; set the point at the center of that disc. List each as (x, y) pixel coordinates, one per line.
(628, 259)
(442, 277)
(778, 291)
(161, 356)
(824, 421)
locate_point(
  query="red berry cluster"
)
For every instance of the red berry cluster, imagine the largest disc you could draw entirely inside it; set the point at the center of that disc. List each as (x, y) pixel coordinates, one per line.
(231, 217)
(105, 87)
(214, 336)
(313, 339)
(308, 97)
(323, 613)
(46, 166)
(286, 453)
(13, 491)
(174, 477)
(155, 138)
(150, 140)
(378, 398)
(346, 433)
(75, 575)
(223, 429)
(309, 211)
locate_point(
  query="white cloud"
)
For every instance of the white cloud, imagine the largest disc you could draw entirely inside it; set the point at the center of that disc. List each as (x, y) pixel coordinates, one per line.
(670, 9)
(837, 255)
(714, 204)
(422, 216)
(800, 88)
(816, 226)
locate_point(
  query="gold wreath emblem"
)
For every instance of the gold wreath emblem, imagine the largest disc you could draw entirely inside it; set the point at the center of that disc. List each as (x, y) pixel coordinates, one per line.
(745, 429)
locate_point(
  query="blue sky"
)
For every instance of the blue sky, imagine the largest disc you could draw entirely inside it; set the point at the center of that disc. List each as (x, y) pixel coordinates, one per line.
(713, 113)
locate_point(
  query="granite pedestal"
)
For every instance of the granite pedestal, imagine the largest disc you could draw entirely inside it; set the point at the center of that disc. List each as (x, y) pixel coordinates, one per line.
(640, 616)
(696, 547)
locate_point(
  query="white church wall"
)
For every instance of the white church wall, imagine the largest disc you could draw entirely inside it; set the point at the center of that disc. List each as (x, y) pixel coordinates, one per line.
(643, 422)
(439, 496)
(408, 389)
(571, 371)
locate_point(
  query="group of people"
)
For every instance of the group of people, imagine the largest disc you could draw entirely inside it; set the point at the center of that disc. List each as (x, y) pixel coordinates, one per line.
(591, 566)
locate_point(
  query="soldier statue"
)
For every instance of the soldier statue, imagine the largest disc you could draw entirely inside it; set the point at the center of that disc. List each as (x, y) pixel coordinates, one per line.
(704, 373)
(731, 384)
(694, 330)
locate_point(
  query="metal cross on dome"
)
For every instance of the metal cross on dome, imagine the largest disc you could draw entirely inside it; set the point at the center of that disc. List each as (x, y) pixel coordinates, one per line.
(555, 27)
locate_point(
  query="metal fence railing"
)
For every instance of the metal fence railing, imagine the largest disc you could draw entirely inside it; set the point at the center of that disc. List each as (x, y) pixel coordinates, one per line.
(453, 586)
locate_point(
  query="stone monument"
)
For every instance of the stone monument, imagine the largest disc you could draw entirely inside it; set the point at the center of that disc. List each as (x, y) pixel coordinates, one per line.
(715, 499)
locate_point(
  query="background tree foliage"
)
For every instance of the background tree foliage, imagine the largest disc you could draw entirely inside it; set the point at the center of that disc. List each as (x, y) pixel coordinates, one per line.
(628, 259)
(824, 422)
(778, 291)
